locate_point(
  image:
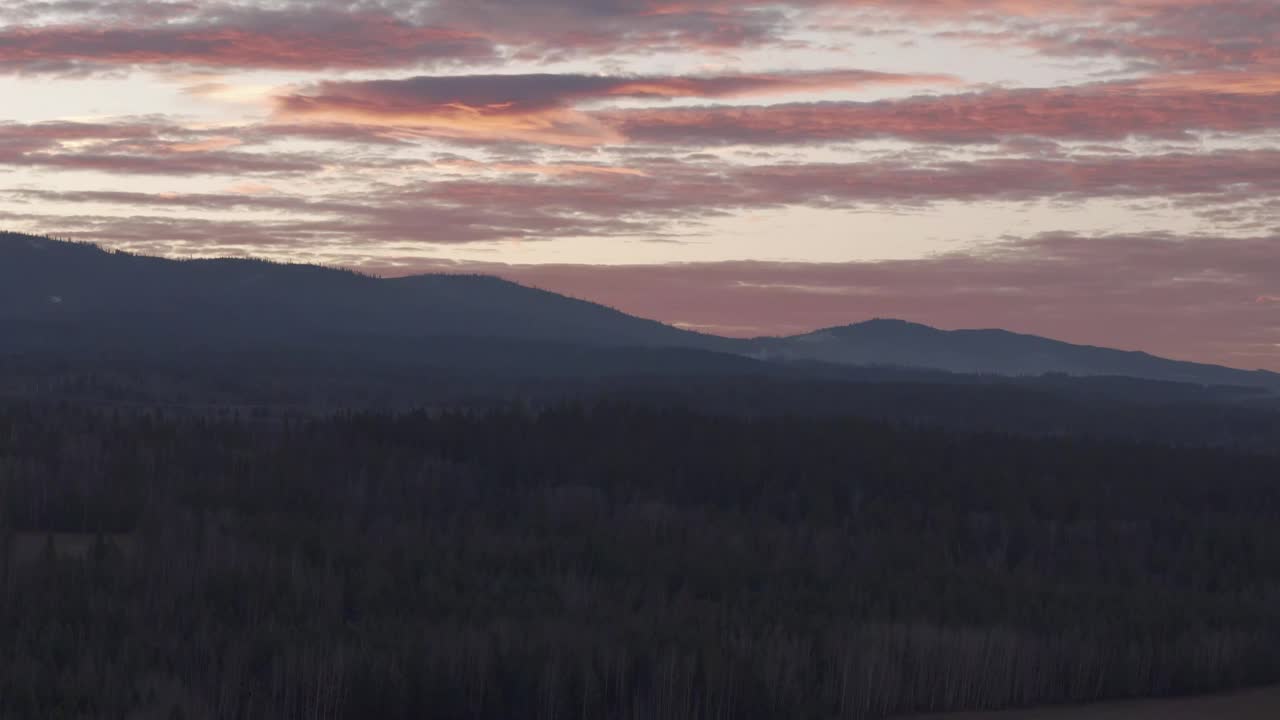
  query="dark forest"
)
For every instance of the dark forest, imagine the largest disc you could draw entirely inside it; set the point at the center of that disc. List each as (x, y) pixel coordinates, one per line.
(610, 560)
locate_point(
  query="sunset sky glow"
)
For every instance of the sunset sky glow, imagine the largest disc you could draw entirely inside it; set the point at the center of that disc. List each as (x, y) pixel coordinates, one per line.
(1099, 171)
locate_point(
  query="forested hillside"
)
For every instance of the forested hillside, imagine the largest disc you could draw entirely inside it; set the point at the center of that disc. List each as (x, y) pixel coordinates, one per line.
(478, 375)
(60, 297)
(611, 561)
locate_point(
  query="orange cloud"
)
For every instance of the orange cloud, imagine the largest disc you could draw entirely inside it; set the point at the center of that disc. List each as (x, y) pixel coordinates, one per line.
(252, 188)
(212, 144)
(1221, 82)
(538, 108)
(563, 169)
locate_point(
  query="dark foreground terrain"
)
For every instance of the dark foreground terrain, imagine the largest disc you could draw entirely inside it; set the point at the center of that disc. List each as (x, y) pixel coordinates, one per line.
(1252, 705)
(613, 560)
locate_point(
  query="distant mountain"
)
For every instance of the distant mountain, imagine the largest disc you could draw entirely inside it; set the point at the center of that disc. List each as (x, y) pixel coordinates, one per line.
(898, 343)
(58, 297)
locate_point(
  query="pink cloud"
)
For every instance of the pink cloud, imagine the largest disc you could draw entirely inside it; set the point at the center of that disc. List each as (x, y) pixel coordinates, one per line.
(1110, 111)
(1169, 34)
(1183, 35)
(241, 38)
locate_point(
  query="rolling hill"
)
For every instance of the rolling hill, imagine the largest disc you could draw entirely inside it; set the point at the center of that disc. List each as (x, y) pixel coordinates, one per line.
(898, 343)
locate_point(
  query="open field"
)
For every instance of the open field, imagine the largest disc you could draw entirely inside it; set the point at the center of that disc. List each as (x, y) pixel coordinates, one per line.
(1251, 705)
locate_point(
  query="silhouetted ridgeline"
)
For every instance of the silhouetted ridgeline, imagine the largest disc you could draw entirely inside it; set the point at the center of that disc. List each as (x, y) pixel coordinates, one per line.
(69, 296)
(62, 297)
(610, 561)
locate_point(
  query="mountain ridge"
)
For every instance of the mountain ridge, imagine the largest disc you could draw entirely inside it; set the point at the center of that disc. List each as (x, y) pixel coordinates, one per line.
(56, 295)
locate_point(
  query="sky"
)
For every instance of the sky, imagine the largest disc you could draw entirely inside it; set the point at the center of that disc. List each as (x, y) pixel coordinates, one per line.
(1098, 171)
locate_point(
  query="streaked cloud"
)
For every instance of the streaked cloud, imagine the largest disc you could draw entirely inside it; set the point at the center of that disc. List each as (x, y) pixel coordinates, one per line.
(1109, 111)
(542, 107)
(293, 40)
(139, 147)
